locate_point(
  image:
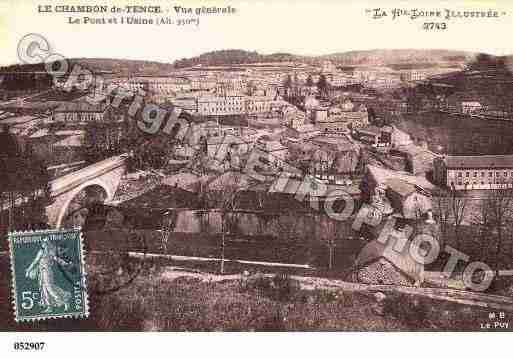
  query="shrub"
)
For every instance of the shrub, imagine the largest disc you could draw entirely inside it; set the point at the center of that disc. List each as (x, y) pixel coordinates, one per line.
(412, 311)
(501, 286)
(273, 322)
(278, 287)
(325, 296)
(285, 288)
(256, 282)
(346, 298)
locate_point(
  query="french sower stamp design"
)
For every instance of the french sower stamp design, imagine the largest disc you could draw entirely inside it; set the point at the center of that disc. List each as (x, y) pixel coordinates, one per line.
(48, 274)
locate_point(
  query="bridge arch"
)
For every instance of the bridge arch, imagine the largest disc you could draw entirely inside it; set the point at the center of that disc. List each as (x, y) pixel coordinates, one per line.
(72, 195)
(105, 175)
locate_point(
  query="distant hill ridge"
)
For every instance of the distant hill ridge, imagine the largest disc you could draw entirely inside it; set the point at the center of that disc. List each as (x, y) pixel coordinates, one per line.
(349, 58)
(237, 56)
(119, 66)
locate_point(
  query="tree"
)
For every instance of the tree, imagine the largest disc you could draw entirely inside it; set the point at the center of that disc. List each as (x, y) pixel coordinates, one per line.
(295, 86)
(362, 162)
(251, 88)
(323, 86)
(309, 81)
(485, 62)
(442, 208)
(24, 181)
(226, 199)
(482, 219)
(451, 207)
(332, 231)
(458, 205)
(103, 138)
(9, 155)
(286, 227)
(287, 83)
(498, 203)
(371, 114)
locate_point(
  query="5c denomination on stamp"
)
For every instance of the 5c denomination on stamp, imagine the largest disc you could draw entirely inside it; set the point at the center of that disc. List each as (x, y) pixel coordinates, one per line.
(48, 274)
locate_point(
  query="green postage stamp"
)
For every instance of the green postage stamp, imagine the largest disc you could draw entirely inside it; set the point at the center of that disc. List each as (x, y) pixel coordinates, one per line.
(48, 274)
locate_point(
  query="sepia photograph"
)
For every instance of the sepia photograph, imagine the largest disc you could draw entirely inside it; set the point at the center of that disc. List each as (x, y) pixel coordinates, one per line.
(216, 166)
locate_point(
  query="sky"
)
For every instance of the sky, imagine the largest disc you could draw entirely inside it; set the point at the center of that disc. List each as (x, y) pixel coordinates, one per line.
(303, 27)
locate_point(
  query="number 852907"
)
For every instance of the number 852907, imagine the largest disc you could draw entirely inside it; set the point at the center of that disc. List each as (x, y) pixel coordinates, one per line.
(29, 345)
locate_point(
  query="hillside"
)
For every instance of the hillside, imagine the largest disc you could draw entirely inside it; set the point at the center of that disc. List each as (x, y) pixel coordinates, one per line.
(232, 57)
(125, 67)
(391, 57)
(399, 56)
(397, 59)
(118, 66)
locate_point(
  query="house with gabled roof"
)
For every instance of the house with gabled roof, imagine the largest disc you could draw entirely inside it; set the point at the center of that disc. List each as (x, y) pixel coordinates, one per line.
(406, 199)
(379, 263)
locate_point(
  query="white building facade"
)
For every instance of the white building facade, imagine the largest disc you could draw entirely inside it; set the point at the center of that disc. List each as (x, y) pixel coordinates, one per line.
(475, 172)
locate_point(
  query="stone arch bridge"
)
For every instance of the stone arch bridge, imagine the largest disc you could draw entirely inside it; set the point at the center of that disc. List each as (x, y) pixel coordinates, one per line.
(105, 174)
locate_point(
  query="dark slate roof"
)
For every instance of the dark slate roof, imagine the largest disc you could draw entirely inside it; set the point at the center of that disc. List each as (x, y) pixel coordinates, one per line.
(485, 161)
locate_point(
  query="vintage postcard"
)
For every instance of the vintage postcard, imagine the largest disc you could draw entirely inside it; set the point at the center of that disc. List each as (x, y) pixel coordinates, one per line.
(256, 166)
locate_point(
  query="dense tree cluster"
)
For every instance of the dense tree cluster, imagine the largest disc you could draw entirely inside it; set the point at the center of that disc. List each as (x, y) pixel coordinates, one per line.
(25, 81)
(323, 86)
(23, 185)
(101, 140)
(485, 62)
(231, 57)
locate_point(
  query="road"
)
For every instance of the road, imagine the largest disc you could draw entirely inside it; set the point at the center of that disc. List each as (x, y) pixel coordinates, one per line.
(492, 301)
(495, 302)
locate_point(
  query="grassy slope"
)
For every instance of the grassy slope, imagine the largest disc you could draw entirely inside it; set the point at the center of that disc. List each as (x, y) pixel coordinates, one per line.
(155, 302)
